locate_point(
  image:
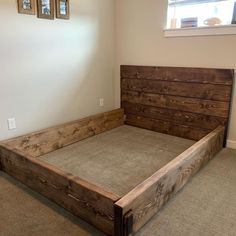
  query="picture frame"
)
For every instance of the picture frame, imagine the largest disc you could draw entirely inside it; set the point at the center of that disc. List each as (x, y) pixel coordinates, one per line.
(234, 15)
(45, 9)
(26, 7)
(63, 9)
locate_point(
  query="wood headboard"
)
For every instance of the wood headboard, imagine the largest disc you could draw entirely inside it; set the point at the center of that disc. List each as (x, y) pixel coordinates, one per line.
(185, 102)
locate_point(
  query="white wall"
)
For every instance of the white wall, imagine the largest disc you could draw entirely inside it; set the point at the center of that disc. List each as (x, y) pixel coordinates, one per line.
(140, 41)
(55, 71)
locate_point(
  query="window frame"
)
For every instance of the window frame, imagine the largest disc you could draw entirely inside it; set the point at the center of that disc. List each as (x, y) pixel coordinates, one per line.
(229, 29)
(201, 31)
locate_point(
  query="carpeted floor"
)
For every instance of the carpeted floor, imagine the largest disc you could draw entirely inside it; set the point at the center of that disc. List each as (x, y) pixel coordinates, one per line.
(26, 213)
(206, 206)
(120, 159)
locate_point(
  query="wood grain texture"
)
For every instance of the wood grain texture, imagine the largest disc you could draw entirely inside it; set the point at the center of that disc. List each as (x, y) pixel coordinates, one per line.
(194, 105)
(183, 89)
(179, 74)
(167, 127)
(148, 197)
(42, 142)
(78, 196)
(185, 102)
(179, 117)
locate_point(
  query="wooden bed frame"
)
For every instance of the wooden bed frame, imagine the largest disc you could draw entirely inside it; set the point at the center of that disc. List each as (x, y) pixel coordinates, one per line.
(188, 102)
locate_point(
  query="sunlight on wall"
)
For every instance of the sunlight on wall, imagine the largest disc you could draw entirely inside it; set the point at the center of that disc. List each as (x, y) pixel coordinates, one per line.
(55, 71)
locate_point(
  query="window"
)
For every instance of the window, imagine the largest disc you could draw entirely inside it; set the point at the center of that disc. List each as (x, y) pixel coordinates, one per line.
(200, 13)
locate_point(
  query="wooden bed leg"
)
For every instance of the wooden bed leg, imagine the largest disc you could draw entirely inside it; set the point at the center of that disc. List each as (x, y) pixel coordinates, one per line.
(128, 223)
(225, 143)
(123, 223)
(118, 229)
(1, 165)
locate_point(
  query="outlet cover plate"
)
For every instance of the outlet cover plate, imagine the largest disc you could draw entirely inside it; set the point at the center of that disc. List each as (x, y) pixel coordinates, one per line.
(11, 123)
(101, 102)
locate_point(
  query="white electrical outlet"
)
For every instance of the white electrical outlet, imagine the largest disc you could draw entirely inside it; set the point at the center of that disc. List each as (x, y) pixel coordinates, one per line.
(11, 123)
(101, 102)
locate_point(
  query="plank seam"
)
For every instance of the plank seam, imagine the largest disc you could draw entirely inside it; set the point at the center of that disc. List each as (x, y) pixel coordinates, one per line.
(175, 95)
(174, 123)
(178, 81)
(169, 95)
(171, 109)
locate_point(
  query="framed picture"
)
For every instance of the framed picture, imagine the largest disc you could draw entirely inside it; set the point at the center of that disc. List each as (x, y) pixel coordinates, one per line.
(46, 9)
(234, 15)
(63, 9)
(26, 7)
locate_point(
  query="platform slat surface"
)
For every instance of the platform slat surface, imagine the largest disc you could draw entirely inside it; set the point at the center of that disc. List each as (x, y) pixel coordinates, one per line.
(120, 159)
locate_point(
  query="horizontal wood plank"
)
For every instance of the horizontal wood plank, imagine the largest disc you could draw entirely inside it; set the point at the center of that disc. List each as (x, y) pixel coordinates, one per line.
(166, 127)
(206, 107)
(147, 198)
(193, 97)
(191, 90)
(178, 117)
(47, 140)
(178, 74)
(81, 198)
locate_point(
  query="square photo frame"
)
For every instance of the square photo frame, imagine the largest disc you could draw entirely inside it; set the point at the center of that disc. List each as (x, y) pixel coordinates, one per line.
(26, 7)
(45, 9)
(63, 9)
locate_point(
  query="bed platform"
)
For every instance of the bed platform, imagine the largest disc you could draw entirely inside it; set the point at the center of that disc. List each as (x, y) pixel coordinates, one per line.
(124, 159)
(117, 169)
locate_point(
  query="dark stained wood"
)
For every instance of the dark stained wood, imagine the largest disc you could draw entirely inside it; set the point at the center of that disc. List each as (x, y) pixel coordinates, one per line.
(119, 219)
(199, 106)
(123, 223)
(177, 117)
(42, 142)
(167, 127)
(102, 209)
(178, 74)
(190, 90)
(164, 99)
(81, 198)
(128, 223)
(147, 198)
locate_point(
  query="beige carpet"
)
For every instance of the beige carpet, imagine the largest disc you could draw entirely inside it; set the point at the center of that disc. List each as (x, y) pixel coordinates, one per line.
(120, 159)
(205, 207)
(26, 213)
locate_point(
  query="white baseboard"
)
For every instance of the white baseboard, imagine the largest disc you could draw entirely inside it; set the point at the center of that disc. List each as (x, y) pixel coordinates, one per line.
(231, 144)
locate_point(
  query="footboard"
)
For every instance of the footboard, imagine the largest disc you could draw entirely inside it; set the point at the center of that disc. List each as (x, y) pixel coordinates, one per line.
(138, 206)
(78, 196)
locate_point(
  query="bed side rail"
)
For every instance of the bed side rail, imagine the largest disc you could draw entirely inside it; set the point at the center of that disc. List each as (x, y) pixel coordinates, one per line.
(47, 140)
(81, 198)
(138, 206)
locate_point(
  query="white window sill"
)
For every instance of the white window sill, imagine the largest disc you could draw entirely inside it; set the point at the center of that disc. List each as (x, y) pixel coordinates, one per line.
(201, 31)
